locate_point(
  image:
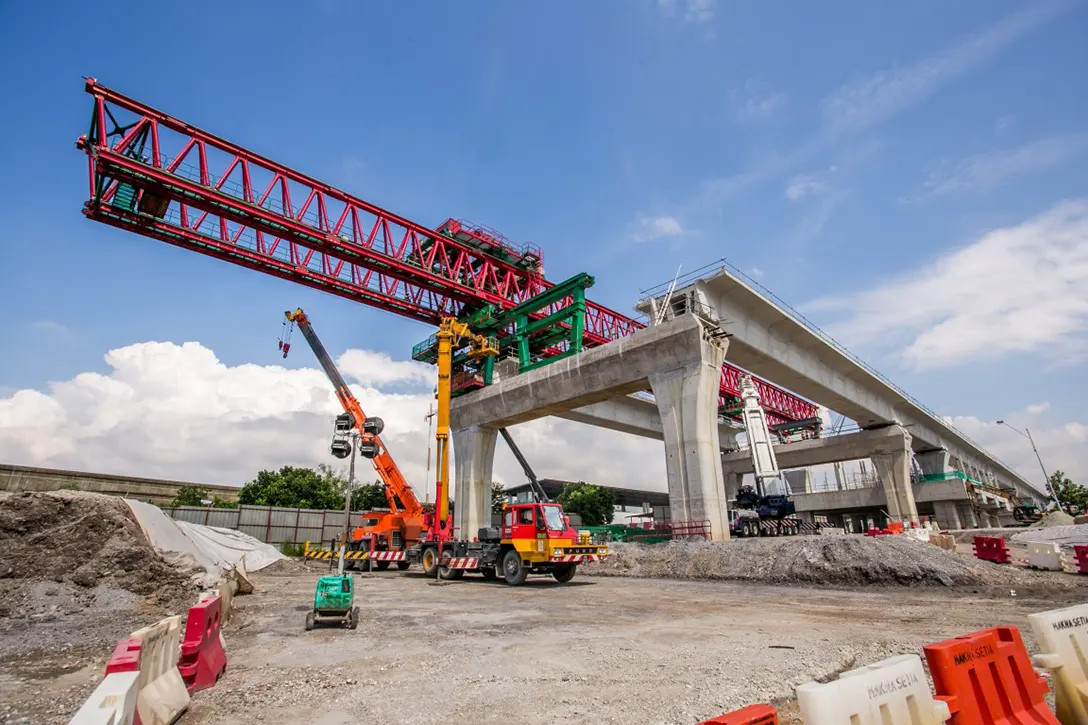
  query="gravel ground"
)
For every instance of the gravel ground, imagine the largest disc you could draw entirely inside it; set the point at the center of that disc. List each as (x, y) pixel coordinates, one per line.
(597, 650)
(843, 561)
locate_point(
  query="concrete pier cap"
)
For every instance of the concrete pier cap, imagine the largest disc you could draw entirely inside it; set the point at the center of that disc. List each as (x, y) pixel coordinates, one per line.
(680, 360)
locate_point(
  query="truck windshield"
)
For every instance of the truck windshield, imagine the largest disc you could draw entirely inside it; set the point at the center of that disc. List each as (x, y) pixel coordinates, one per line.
(553, 516)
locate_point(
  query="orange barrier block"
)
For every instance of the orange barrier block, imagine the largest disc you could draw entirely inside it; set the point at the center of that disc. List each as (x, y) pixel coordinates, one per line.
(992, 548)
(751, 715)
(987, 679)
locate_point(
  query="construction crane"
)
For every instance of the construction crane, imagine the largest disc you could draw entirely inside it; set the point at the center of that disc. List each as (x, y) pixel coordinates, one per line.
(538, 490)
(533, 538)
(160, 177)
(756, 511)
(449, 336)
(384, 536)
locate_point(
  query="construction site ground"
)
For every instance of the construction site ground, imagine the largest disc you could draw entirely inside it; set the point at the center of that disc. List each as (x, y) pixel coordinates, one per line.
(602, 649)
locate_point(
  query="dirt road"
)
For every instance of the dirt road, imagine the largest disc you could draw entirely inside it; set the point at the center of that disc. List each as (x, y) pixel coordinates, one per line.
(597, 650)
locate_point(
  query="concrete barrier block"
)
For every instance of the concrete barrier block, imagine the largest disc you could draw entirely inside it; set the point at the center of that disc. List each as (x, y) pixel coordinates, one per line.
(891, 692)
(1045, 555)
(113, 702)
(245, 585)
(162, 695)
(1062, 635)
(945, 541)
(832, 531)
(920, 534)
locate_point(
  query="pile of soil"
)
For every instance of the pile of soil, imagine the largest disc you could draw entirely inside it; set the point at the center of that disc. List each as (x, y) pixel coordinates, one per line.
(1054, 518)
(85, 539)
(832, 560)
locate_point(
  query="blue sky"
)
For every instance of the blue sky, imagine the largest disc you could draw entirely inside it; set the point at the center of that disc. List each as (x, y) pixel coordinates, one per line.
(834, 150)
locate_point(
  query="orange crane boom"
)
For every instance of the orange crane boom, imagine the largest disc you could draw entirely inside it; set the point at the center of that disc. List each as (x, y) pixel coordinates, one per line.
(371, 446)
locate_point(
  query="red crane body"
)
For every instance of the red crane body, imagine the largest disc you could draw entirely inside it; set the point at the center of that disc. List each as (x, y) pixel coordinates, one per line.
(165, 179)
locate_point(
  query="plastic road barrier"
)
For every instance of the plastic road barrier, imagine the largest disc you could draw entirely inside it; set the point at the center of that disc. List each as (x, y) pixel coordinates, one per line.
(751, 715)
(1062, 635)
(992, 548)
(987, 679)
(1045, 555)
(890, 692)
(162, 695)
(1081, 552)
(113, 702)
(202, 656)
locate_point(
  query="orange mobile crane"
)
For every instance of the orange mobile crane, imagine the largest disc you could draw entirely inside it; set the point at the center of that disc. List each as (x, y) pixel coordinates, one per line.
(385, 535)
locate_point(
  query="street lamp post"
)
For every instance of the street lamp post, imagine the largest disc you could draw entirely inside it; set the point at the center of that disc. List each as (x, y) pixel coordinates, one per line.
(354, 438)
(1046, 476)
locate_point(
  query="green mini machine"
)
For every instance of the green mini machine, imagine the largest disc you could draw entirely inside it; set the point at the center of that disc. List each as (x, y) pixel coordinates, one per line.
(333, 602)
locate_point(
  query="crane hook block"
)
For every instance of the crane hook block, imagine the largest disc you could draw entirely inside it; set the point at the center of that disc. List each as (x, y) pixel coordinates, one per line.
(374, 426)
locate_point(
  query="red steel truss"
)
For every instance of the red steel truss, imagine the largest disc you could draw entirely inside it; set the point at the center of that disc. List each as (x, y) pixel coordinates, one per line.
(160, 177)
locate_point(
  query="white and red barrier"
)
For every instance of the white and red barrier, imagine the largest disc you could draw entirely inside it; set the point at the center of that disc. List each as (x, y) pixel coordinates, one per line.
(113, 702)
(203, 658)
(891, 692)
(162, 695)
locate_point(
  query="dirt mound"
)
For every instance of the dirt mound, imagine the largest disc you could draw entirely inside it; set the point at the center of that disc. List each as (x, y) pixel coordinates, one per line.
(840, 561)
(85, 539)
(1054, 518)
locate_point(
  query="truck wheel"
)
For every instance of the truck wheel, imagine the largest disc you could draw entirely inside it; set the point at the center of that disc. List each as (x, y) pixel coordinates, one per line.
(381, 565)
(403, 565)
(446, 573)
(430, 561)
(512, 570)
(309, 621)
(353, 618)
(563, 573)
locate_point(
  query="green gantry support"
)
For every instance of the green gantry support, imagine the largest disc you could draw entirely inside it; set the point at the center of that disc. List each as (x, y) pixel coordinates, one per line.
(517, 330)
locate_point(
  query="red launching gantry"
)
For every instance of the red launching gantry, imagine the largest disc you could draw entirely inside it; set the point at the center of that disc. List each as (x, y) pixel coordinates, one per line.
(157, 176)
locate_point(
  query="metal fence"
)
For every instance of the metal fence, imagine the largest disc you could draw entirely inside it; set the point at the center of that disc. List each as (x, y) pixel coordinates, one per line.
(270, 524)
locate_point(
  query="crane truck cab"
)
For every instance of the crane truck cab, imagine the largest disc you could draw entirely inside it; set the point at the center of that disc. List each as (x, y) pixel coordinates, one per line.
(532, 538)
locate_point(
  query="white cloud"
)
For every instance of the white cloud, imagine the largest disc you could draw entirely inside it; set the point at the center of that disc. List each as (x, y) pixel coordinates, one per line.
(177, 412)
(1037, 408)
(988, 170)
(805, 185)
(647, 229)
(378, 369)
(1017, 289)
(755, 100)
(1060, 445)
(863, 103)
(697, 11)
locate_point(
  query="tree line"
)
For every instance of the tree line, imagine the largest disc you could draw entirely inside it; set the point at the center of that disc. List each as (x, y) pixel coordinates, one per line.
(325, 488)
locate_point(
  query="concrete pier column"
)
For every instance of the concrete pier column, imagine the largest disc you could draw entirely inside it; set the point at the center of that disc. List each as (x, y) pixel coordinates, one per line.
(934, 462)
(948, 516)
(474, 458)
(687, 398)
(893, 467)
(969, 518)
